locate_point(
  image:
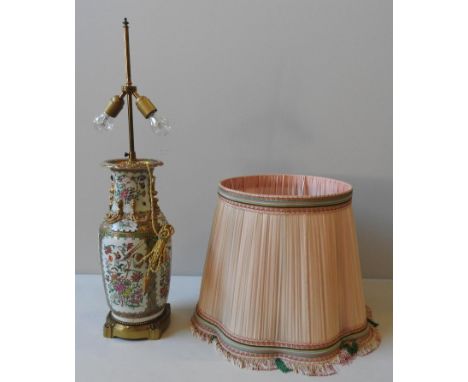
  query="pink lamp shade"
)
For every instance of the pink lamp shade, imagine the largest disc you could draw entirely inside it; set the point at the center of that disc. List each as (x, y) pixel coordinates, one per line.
(281, 285)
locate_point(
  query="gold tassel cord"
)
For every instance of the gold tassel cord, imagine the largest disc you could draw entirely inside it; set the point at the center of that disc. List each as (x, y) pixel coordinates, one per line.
(157, 256)
(112, 218)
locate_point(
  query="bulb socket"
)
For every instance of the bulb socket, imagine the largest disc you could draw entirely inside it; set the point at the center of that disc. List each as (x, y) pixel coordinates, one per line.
(145, 106)
(114, 106)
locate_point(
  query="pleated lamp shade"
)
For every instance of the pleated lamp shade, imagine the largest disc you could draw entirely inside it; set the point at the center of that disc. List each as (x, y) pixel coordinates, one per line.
(281, 285)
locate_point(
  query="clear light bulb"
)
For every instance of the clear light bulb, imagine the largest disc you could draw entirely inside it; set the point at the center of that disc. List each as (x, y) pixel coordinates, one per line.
(159, 124)
(104, 122)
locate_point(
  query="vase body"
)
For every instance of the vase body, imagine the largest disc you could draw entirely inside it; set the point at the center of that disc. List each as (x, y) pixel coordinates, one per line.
(135, 294)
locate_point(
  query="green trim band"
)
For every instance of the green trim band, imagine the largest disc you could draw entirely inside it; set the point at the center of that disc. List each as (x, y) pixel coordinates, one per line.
(283, 202)
(312, 353)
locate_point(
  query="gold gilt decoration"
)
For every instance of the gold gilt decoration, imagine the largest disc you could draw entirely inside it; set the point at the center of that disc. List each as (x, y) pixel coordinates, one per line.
(115, 217)
(157, 256)
(151, 330)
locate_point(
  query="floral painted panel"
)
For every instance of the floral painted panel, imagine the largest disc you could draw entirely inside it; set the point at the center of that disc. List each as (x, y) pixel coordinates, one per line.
(131, 186)
(123, 274)
(164, 278)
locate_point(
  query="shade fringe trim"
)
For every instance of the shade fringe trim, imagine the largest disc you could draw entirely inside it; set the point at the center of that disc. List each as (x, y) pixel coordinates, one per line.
(325, 365)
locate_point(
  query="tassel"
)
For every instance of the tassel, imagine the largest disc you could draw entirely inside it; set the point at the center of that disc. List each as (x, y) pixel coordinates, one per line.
(325, 366)
(351, 349)
(282, 366)
(146, 283)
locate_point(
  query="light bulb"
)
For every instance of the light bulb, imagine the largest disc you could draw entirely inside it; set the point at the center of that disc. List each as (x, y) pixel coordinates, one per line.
(159, 124)
(104, 122)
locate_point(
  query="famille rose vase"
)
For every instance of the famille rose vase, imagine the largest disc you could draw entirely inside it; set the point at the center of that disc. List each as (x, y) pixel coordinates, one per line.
(135, 252)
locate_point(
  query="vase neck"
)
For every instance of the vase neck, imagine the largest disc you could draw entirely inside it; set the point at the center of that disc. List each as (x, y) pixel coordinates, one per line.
(133, 191)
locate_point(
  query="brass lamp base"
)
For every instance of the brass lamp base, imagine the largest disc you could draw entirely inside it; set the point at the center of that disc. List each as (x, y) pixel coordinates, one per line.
(151, 330)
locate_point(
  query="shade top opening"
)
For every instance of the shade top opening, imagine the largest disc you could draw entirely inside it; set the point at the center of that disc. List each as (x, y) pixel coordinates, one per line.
(283, 186)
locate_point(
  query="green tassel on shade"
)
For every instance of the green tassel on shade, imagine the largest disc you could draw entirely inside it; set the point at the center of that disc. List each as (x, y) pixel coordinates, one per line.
(351, 349)
(282, 366)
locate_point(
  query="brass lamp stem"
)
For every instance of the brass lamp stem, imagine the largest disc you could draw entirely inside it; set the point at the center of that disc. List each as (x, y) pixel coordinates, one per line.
(127, 52)
(131, 154)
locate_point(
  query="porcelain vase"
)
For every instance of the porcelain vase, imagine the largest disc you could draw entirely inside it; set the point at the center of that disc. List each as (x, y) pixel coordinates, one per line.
(133, 230)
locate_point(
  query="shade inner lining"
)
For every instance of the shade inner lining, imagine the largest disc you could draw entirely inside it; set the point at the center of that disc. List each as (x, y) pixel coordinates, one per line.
(286, 186)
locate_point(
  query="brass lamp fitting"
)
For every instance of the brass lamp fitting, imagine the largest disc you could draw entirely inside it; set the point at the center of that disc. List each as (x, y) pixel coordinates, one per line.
(114, 106)
(129, 91)
(145, 106)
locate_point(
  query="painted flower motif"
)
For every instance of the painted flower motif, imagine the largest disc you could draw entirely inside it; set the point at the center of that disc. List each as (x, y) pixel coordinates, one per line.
(130, 187)
(123, 280)
(124, 273)
(164, 291)
(164, 281)
(120, 287)
(124, 194)
(136, 276)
